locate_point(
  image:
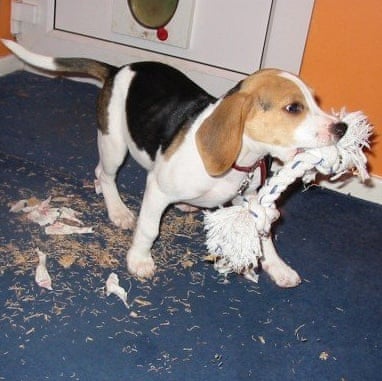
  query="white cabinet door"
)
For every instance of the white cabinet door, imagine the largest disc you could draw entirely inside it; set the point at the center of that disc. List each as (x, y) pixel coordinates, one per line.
(223, 40)
(222, 33)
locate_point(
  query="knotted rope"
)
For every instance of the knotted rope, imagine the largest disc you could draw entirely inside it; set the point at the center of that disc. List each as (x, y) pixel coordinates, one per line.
(234, 234)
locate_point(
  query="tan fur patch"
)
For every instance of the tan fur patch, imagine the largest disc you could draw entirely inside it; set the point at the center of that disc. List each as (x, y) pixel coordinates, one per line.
(268, 121)
(219, 138)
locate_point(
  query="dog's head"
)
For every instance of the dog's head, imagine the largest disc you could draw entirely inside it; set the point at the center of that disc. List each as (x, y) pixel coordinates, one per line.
(275, 110)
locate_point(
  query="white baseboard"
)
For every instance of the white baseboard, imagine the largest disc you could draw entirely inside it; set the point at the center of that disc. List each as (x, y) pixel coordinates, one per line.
(9, 64)
(371, 190)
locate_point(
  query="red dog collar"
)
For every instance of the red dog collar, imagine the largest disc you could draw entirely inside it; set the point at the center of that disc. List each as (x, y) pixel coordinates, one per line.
(259, 164)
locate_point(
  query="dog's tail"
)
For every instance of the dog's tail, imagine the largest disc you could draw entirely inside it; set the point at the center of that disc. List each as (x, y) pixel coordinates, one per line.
(93, 68)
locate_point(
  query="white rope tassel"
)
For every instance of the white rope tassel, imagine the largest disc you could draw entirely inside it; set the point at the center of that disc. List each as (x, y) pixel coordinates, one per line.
(234, 234)
(223, 236)
(351, 146)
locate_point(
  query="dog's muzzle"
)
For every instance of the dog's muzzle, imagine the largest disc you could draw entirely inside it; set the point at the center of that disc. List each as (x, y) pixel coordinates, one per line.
(338, 129)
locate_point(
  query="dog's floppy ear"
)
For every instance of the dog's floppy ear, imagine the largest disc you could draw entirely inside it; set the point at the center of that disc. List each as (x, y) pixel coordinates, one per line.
(219, 138)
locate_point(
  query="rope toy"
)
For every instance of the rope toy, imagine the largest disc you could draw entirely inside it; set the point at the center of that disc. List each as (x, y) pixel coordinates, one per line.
(234, 234)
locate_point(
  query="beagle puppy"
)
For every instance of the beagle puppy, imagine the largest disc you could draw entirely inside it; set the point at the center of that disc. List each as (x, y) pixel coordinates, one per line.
(196, 148)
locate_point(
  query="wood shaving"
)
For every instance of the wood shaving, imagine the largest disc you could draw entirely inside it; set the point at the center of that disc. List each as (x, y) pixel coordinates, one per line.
(105, 259)
(67, 260)
(187, 264)
(210, 258)
(298, 335)
(324, 356)
(142, 302)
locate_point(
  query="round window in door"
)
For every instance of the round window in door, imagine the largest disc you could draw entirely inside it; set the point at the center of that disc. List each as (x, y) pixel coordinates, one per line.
(168, 22)
(153, 14)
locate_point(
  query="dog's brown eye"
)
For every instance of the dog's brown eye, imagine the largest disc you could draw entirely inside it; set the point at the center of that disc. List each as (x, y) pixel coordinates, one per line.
(294, 108)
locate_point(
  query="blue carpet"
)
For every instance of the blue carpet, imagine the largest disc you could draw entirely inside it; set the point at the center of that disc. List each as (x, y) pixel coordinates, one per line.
(186, 323)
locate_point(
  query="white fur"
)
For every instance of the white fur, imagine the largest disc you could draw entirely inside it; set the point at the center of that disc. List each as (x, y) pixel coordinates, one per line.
(33, 59)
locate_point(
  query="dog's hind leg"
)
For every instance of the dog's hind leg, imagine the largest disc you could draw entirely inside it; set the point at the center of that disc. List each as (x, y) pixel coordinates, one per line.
(112, 151)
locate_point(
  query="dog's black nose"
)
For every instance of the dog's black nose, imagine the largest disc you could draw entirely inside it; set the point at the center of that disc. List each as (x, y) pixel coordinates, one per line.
(339, 129)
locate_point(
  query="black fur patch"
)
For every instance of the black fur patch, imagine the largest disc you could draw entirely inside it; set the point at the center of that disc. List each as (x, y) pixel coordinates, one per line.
(160, 102)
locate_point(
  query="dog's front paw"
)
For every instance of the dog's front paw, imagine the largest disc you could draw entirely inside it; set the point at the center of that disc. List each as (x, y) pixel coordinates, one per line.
(123, 217)
(282, 274)
(140, 266)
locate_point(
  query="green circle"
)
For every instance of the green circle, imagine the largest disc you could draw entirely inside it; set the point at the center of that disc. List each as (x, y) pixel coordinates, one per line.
(153, 14)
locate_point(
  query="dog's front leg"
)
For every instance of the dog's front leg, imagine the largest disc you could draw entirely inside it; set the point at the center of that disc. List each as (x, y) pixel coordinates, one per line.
(279, 271)
(139, 260)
